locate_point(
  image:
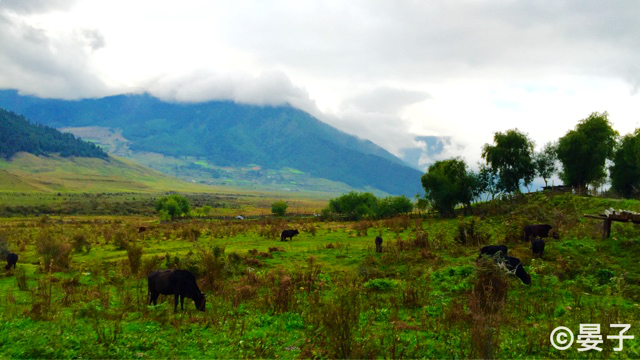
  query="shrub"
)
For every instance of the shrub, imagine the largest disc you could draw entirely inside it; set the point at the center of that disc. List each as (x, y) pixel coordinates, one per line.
(279, 208)
(380, 284)
(134, 253)
(55, 252)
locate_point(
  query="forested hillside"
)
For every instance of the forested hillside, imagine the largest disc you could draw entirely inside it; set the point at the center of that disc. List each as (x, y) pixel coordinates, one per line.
(17, 134)
(229, 134)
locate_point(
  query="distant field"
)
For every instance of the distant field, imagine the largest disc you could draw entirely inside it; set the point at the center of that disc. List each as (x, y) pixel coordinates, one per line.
(93, 186)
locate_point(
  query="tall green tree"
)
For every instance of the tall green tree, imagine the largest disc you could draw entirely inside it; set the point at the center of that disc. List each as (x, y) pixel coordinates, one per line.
(511, 158)
(625, 171)
(545, 162)
(583, 152)
(448, 183)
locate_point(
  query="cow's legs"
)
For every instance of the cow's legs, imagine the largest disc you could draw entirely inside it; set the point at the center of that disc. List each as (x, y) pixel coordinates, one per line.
(175, 306)
(153, 298)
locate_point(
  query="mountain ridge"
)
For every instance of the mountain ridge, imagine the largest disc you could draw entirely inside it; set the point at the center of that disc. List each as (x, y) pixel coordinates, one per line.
(229, 134)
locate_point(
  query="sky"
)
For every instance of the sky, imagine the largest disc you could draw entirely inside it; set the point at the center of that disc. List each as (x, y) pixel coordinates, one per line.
(387, 71)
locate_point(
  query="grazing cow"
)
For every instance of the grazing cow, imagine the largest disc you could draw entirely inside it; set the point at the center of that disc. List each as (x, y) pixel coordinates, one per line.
(288, 234)
(12, 259)
(142, 229)
(541, 231)
(491, 250)
(378, 244)
(537, 247)
(514, 265)
(181, 283)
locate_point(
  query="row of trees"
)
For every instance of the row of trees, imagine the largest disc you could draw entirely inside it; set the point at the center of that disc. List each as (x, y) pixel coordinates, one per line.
(579, 158)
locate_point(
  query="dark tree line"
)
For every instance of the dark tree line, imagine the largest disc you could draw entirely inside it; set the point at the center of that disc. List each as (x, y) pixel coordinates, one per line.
(17, 134)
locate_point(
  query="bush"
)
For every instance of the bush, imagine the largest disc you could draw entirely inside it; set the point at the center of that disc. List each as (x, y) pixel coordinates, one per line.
(279, 208)
(173, 206)
(380, 284)
(55, 252)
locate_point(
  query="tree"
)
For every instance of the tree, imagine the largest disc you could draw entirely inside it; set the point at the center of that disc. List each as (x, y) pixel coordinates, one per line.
(583, 152)
(625, 171)
(487, 181)
(393, 205)
(172, 206)
(448, 183)
(279, 208)
(511, 158)
(354, 205)
(545, 162)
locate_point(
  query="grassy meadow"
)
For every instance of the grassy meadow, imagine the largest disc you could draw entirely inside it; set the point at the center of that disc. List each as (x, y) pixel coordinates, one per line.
(80, 290)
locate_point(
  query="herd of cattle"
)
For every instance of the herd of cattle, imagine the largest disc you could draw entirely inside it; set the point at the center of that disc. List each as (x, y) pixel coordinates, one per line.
(182, 283)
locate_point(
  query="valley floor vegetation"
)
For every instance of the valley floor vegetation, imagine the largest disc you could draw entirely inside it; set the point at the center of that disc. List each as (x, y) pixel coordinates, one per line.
(80, 289)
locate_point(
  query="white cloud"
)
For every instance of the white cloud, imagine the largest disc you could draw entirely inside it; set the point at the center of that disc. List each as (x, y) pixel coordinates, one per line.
(385, 71)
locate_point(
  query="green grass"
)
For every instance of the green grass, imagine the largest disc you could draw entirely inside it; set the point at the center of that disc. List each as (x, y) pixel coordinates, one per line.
(310, 299)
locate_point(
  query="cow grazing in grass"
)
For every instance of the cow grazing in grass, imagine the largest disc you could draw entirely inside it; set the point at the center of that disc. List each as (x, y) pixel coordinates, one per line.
(537, 247)
(12, 259)
(514, 266)
(288, 234)
(540, 231)
(181, 283)
(142, 229)
(491, 250)
(378, 244)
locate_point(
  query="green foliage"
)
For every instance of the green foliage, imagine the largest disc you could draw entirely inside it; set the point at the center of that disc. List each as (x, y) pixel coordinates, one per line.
(448, 183)
(279, 208)
(381, 284)
(17, 134)
(511, 158)
(355, 206)
(545, 162)
(584, 151)
(625, 171)
(173, 206)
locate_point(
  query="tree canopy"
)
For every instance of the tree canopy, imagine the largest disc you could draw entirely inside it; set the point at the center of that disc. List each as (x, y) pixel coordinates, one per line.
(625, 171)
(355, 205)
(511, 158)
(545, 162)
(448, 183)
(584, 151)
(173, 206)
(279, 208)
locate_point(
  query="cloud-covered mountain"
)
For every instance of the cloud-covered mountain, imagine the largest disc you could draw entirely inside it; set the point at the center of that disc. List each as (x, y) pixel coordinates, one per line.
(229, 134)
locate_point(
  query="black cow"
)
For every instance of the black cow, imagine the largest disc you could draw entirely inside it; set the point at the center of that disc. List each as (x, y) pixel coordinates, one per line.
(491, 250)
(514, 265)
(378, 244)
(142, 229)
(537, 247)
(12, 259)
(541, 231)
(181, 283)
(288, 234)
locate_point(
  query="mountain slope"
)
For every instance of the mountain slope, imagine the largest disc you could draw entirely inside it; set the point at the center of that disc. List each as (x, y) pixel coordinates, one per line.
(17, 134)
(229, 134)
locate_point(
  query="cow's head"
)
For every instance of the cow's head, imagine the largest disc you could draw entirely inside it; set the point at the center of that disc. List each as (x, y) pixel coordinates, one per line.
(296, 232)
(555, 234)
(200, 302)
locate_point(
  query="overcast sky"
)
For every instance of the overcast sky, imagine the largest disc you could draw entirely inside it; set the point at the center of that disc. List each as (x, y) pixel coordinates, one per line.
(387, 71)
